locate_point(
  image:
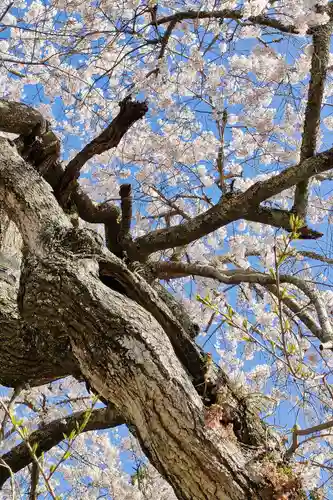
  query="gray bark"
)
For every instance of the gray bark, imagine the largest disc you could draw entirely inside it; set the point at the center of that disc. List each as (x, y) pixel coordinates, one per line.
(66, 322)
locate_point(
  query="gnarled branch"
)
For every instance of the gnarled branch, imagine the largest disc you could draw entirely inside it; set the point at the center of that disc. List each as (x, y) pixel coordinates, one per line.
(130, 112)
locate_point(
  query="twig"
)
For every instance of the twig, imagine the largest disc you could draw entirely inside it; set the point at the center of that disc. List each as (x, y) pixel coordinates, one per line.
(305, 432)
(32, 453)
(15, 394)
(6, 10)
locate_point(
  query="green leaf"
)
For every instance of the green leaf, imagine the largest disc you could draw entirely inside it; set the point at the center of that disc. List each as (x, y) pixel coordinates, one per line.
(72, 435)
(67, 455)
(34, 447)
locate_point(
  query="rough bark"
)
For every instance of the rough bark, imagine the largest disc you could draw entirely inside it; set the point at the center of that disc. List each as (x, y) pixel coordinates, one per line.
(125, 348)
(319, 65)
(18, 118)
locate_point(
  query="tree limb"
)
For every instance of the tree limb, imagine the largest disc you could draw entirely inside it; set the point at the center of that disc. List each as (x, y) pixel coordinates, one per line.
(130, 112)
(305, 432)
(236, 14)
(319, 64)
(126, 210)
(234, 207)
(21, 119)
(315, 256)
(18, 118)
(52, 434)
(236, 276)
(280, 219)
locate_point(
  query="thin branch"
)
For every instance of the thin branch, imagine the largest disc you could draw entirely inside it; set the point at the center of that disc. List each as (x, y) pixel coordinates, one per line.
(34, 481)
(11, 475)
(305, 432)
(299, 311)
(31, 452)
(51, 435)
(15, 394)
(237, 276)
(220, 156)
(315, 256)
(171, 204)
(166, 37)
(9, 6)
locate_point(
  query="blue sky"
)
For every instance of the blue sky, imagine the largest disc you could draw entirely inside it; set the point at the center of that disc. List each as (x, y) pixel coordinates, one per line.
(35, 93)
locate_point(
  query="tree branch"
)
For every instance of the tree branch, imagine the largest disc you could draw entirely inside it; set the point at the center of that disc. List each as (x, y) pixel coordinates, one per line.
(281, 219)
(236, 276)
(126, 210)
(130, 112)
(236, 14)
(299, 311)
(9, 6)
(21, 119)
(52, 434)
(34, 478)
(305, 432)
(315, 256)
(319, 64)
(234, 207)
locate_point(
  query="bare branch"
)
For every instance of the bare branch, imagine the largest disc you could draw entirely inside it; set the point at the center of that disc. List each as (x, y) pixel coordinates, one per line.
(281, 219)
(9, 6)
(52, 434)
(226, 14)
(34, 478)
(305, 432)
(299, 311)
(315, 256)
(172, 204)
(234, 207)
(130, 112)
(237, 276)
(166, 37)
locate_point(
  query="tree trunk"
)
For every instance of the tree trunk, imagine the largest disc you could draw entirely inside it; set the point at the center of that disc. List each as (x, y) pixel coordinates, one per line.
(67, 322)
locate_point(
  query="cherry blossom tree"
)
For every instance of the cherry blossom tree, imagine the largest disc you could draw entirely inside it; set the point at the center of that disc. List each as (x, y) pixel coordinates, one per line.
(165, 202)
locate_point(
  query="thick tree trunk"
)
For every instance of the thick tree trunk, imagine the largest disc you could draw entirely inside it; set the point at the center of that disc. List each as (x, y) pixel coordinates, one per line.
(67, 322)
